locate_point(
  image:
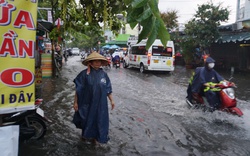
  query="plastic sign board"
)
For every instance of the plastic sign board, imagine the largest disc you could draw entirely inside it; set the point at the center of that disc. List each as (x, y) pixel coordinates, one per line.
(9, 140)
(18, 20)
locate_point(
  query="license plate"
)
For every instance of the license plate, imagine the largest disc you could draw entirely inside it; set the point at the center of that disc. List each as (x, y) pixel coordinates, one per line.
(156, 61)
(40, 112)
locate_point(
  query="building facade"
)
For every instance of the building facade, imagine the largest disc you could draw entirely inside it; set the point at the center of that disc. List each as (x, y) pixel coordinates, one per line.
(232, 49)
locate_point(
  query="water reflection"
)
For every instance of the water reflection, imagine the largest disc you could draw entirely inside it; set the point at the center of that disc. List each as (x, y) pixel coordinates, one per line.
(150, 118)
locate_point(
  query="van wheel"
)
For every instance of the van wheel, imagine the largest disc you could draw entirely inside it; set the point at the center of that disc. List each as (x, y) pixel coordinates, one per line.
(142, 69)
(124, 64)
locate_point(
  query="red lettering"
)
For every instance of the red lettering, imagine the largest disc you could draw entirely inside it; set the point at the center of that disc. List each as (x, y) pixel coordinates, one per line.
(9, 77)
(8, 46)
(24, 18)
(26, 48)
(6, 13)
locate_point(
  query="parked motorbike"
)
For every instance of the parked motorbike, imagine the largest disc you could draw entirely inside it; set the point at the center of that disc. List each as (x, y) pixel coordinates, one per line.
(32, 123)
(227, 98)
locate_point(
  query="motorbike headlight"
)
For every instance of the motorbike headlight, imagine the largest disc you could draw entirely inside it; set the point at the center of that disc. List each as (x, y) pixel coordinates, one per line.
(230, 92)
(224, 83)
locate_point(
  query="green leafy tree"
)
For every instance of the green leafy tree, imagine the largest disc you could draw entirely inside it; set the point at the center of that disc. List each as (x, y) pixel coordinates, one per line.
(143, 12)
(42, 13)
(83, 41)
(146, 13)
(87, 16)
(202, 30)
(92, 12)
(170, 19)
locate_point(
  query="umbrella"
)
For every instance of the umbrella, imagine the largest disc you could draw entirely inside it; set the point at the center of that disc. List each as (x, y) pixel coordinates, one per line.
(106, 46)
(114, 47)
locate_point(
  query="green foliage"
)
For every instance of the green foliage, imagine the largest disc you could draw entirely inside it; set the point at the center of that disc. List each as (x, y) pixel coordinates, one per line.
(170, 19)
(42, 14)
(203, 28)
(188, 46)
(86, 17)
(146, 13)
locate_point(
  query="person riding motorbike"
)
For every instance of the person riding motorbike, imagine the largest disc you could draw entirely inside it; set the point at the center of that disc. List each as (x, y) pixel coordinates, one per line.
(115, 59)
(204, 78)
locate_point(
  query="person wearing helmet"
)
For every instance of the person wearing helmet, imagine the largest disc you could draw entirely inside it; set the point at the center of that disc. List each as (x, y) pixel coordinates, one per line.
(203, 78)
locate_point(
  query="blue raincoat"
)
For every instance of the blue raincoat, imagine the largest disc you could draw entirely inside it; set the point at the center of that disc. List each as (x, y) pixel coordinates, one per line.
(202, 76)
(116, 58)
(92, 91)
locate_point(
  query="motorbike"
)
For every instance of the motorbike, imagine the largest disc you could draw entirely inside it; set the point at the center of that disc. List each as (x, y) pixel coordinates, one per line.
(227, 98)
(117, 64)
(32, 123)
(109, 61)
(82, 56)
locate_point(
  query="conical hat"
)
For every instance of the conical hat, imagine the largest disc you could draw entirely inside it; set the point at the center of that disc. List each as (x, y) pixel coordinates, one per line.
(95, 56)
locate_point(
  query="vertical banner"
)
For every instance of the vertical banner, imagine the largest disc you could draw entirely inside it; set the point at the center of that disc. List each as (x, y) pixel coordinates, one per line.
(18, 20)
(49, 16)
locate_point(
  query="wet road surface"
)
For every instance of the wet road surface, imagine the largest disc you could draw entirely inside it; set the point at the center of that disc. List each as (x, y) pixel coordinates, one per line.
(151, 118)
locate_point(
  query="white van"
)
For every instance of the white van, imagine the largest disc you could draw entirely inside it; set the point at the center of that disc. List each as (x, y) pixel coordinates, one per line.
(156, 58)
(75, 51)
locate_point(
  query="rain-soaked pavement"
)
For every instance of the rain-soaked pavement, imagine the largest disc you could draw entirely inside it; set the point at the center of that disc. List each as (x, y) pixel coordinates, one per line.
(151, 118)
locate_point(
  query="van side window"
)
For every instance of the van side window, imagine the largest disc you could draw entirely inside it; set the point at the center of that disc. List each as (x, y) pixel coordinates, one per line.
(139, 50)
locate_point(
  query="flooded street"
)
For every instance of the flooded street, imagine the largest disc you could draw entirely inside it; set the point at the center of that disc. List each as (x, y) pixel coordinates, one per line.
(151, 118)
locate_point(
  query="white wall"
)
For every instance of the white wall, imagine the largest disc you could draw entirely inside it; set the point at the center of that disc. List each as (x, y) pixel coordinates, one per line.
(243, 10)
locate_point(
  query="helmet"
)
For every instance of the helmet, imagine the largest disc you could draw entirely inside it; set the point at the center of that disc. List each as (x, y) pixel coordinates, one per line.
(209, 63)
(210, 60)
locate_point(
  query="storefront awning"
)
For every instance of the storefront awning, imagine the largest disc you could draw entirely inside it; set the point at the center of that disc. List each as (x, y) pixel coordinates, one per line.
(117, 42)
(121, 39)
(44, 25)
(233, 37)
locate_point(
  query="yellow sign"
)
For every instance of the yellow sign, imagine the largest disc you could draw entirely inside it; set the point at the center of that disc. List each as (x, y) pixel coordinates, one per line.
(156, 61)
(169, 62)
(244, 45)
(139, 59)
(38, 76)
(18, 19)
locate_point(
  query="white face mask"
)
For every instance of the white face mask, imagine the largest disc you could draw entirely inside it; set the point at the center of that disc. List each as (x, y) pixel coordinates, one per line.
(211, 65)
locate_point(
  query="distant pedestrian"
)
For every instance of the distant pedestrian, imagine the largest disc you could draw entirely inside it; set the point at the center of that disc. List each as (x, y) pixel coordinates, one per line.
(93, 86)
(58, 55)
(65, 55)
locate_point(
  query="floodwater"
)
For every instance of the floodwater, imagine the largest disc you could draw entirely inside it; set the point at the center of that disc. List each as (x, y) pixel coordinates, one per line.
(151, 118)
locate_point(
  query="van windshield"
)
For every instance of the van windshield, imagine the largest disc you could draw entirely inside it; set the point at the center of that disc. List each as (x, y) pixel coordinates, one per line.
(161, 51)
